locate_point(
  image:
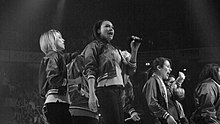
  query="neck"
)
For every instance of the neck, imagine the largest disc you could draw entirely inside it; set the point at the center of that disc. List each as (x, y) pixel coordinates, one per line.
(158, 75)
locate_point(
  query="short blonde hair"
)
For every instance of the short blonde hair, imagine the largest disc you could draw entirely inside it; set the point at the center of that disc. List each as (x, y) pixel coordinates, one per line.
(47, 41)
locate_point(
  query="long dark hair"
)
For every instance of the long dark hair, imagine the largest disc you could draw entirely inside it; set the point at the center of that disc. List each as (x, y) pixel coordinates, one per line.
(157, 62)
(210, 71)
(95, 28)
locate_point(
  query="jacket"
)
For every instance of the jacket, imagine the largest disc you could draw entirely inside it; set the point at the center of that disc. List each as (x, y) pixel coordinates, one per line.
(53, 73)
(207, 102)
(156, 99)
(174, 106)
(99, 62)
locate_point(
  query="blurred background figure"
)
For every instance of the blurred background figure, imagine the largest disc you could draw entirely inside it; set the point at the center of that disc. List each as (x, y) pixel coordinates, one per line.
(175, 93)
(206, 96)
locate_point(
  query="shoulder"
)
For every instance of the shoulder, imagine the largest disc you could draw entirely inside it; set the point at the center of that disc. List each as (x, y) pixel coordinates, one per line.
(206, 87)
(54, 56)
(150, 85)
(94, 46)
(94, 43)
(152, 80)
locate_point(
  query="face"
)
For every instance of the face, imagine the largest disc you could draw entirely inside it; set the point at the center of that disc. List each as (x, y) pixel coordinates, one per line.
(106, 30)
(165, 70)
(59, 41)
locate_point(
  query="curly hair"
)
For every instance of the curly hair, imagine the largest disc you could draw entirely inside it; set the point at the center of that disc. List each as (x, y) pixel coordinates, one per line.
(210, 71)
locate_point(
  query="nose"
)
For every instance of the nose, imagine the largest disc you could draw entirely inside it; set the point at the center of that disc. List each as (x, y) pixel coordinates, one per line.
(111, 28)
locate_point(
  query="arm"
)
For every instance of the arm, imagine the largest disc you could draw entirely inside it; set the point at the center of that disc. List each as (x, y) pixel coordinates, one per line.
(129, 101)
(134, 49)
(133, 59)
(179, 93)
(130, 66)
(180, 79)
(91, 67)
(93, 100)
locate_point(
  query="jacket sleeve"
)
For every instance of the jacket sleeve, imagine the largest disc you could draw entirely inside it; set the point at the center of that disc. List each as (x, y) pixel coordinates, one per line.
(179, 93)
(91, 64)
(128, 108)
(55, 74)
(151, 95)
(129, 98)
(130, 66)
(70, 56)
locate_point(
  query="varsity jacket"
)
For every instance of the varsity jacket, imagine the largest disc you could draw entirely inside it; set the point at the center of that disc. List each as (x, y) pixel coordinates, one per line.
(155, 95)
(100, 63)
(207, 102)
(53, 73)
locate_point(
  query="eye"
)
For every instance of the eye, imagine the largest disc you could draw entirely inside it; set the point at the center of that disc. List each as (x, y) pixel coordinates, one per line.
(107, 26)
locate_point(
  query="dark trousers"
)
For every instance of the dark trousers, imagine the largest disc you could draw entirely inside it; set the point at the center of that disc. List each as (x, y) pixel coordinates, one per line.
(110, 101)
(57, 113)
(84, 120)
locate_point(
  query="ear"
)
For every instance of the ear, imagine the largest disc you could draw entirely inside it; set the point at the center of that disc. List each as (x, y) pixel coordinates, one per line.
(98, 31)
(158, 67)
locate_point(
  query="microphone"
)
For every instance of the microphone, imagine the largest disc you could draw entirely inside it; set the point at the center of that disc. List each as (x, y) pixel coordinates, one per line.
(135, 38)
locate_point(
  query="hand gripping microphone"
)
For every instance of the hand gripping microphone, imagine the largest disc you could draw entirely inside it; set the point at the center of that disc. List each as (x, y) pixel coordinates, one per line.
(135, 38)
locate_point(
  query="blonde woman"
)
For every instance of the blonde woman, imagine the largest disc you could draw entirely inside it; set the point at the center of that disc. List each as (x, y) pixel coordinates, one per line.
(53, 78)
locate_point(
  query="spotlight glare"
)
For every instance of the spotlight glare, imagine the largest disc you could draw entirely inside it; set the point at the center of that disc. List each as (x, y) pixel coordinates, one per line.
(147, 64)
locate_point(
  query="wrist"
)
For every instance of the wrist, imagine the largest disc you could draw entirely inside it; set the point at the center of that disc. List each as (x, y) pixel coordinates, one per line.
(131, 111)
(133, 62)
(166, 115)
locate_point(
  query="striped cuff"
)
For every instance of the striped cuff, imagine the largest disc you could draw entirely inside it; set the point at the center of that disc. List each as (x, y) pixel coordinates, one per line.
(166, 115)
(132, 64)
(90, 76)
(131, 111)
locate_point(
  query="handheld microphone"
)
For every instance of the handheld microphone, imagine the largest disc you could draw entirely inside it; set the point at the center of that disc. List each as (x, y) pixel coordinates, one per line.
(135, 38)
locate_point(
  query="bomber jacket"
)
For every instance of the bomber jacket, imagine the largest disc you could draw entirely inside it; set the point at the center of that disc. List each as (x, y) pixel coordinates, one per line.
(176, 94)
(53, 73)
(156, 99)
(128, 98)
(100, 63)
(207, 102)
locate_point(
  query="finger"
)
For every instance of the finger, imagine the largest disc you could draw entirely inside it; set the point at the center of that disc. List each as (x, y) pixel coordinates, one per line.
(136, 118)
(95, 109)
(97, 103)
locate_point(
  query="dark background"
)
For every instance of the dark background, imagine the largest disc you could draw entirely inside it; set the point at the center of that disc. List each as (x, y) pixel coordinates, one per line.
(168, 24)
(164, 25)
